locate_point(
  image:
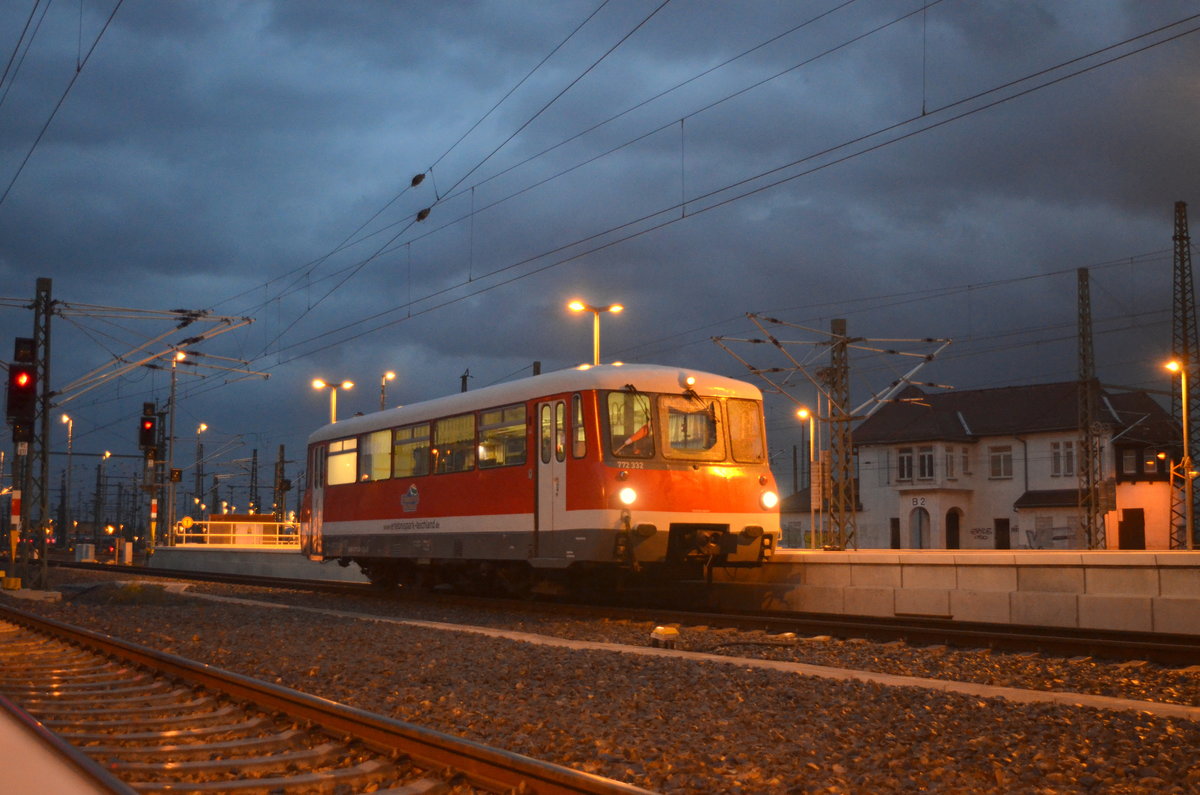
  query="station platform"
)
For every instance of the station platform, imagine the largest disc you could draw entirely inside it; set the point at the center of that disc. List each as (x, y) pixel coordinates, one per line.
(1138, 591)
(36, 760)
(263, 562)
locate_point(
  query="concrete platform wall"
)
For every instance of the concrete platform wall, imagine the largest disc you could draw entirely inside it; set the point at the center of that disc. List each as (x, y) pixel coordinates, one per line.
(1139, 591)
(273, 562)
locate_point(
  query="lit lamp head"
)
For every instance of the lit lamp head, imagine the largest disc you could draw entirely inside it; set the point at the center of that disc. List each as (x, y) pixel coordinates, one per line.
(803, 413)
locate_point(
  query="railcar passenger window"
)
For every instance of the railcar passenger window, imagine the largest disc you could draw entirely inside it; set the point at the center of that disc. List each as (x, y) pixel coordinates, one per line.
(502, 437)
(454, 444)
(410, 453)
(692, 428)
(579, 444)
(342, 461)
(375, 456)
(630, 432)
(746, 431)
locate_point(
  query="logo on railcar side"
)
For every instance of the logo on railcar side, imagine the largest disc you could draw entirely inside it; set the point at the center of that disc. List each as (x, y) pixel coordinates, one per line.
(411, 499)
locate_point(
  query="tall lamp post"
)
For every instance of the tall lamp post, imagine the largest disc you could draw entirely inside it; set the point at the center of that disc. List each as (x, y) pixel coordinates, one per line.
(806, 415)
(580, 306)
(383, 379)
(319, 383)
(1185, 464)
(70, 423)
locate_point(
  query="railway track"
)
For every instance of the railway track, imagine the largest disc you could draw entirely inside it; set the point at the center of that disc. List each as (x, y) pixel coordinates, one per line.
(1156, 647)
(161, 723)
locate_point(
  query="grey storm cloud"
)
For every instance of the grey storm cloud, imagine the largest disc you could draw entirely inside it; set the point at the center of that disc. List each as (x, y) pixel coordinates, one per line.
(696, 161)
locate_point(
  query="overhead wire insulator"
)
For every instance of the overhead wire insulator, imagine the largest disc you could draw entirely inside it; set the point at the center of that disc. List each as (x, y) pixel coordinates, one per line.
(423, 214)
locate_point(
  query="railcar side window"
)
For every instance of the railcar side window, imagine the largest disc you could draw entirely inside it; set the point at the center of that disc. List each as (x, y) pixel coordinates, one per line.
(502, 437)
(411, 451)
(375, 456)
(342, 461)
(630, 432)
(746, 430)
(579, 443)
(693, 428)
(454, 444)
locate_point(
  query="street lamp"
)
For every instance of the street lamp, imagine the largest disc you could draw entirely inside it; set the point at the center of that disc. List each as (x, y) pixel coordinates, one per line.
(580, 306)
(70, 423)
(1175, 366)
(319, 383)
(383, 379)
(814, 502)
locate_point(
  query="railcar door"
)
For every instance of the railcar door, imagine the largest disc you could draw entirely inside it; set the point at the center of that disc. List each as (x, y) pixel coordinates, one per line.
(310, 525)
(552, 473)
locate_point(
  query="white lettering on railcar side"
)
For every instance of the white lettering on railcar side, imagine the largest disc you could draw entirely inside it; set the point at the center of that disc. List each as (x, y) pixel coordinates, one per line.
(414, 524)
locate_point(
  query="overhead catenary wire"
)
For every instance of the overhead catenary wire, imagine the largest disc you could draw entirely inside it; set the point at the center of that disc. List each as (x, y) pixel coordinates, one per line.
(75, 76)
(926, 123)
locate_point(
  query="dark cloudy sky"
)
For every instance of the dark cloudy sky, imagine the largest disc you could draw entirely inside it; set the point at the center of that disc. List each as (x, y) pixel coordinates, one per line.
(921, 173)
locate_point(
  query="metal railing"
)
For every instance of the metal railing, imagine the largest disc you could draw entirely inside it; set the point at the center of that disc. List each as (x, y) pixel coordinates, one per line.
(220, 532)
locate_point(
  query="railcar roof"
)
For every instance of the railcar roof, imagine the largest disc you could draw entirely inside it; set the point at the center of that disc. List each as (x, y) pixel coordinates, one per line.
(645, 377)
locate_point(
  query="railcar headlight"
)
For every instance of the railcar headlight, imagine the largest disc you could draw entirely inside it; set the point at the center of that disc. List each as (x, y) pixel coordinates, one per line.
(627, 496)
(768, 500)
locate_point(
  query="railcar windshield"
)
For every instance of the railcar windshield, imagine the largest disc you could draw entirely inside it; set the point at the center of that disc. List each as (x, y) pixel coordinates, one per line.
(684, 427)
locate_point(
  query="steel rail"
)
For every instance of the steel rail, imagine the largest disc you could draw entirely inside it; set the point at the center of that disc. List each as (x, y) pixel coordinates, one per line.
(486, 767)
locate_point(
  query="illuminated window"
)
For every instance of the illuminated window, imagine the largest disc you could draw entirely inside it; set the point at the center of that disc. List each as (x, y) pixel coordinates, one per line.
(630, 433)
(411, 451)
(746, 431)
(502, 437)
(375, 456)
(342, 461)
(579, 442)
(454, 444)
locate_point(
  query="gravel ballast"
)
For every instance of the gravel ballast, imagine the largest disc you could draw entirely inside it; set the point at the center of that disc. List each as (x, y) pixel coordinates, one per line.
(682, 725)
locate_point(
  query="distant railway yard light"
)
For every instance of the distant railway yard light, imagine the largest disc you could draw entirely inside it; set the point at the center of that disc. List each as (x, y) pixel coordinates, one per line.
(383, 380)
(580, 306)
(320, 383)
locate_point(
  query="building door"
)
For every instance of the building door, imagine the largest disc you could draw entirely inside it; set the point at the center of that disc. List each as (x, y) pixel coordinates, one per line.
(918, 528)
(895, 532)
(952, 519)
(552, 472)
(1131, 530)
(1000, 531)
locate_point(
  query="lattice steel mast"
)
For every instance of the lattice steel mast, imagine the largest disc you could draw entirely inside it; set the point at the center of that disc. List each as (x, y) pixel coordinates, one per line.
(1091, 430)
(1184, 348)
(842, 497)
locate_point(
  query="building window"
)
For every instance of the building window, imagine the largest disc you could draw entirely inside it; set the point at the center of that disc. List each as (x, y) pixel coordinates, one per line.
(950, 463)
(1150, 462)
(1129, 462)
(1062, 459)
(1000, 461)
(904, 464)
(966, 461)
(925, 463)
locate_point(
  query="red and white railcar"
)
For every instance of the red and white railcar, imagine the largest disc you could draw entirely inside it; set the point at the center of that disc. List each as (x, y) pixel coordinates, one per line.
(609, 467)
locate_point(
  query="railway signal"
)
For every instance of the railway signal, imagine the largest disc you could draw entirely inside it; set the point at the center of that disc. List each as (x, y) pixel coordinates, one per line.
(148, 433)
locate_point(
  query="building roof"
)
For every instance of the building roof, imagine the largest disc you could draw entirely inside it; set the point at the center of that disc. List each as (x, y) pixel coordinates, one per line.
(965, 415)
